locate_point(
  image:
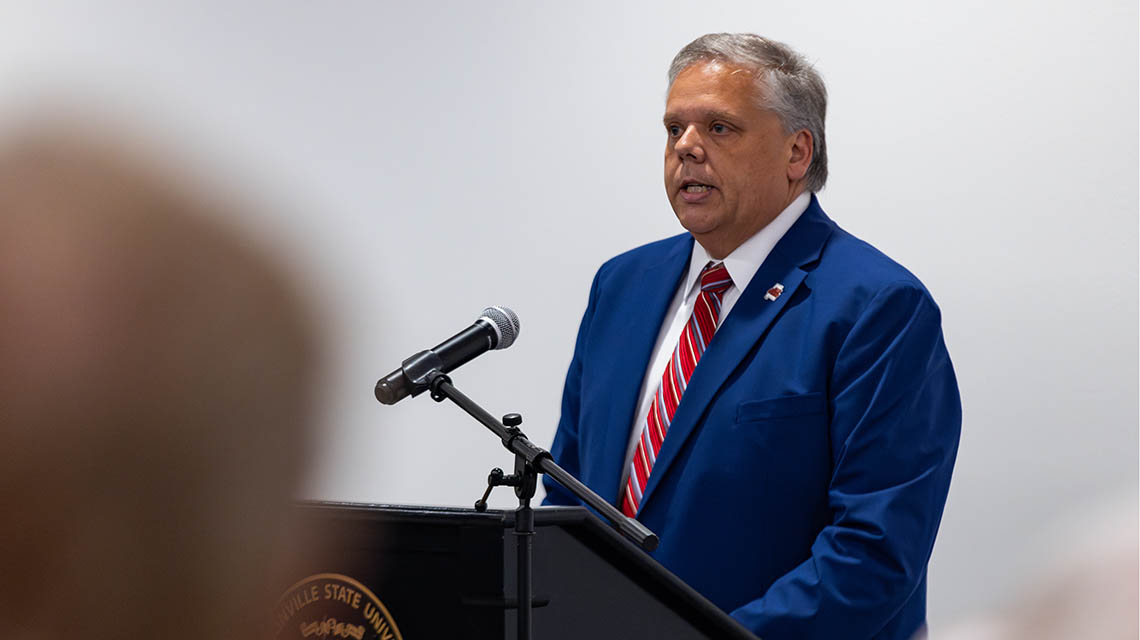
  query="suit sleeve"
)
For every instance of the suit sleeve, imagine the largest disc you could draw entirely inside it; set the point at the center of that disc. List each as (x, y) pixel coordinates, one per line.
(565, 448)
(894, 427)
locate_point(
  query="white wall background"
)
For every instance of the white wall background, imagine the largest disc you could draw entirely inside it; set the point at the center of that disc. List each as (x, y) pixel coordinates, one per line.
(441, 157)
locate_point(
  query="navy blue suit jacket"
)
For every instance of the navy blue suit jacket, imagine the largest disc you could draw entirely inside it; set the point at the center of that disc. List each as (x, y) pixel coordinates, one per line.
(804, 474)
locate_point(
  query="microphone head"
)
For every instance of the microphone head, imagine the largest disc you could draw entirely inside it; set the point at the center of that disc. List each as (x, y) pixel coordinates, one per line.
(505, 322)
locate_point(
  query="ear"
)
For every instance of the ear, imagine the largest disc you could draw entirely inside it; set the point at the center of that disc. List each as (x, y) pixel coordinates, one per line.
(799, 154)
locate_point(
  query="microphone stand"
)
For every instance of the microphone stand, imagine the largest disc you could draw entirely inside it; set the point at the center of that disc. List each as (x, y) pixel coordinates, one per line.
(530, 460)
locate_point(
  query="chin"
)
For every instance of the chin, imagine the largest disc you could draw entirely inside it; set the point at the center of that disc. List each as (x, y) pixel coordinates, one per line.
(694, 222)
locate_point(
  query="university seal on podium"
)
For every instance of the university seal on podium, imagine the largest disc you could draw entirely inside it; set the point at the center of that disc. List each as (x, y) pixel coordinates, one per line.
(331, 606)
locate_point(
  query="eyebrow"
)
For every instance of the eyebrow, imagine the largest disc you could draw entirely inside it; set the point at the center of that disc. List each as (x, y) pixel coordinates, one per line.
(707, 115)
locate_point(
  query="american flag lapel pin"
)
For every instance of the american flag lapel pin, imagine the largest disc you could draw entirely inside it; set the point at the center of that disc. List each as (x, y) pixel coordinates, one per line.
(774, 292)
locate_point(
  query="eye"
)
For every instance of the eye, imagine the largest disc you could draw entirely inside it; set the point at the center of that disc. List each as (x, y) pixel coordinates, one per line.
(718, 128)
(674, 130)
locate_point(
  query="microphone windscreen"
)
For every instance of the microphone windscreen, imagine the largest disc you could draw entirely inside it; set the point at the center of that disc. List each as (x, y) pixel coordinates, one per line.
(506, 324)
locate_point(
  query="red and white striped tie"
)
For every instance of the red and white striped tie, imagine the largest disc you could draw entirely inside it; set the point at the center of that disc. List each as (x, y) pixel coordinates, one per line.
(695, 338)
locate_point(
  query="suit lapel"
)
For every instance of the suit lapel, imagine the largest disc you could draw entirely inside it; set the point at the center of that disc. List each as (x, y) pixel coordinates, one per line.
(746, 324)
(642, 314)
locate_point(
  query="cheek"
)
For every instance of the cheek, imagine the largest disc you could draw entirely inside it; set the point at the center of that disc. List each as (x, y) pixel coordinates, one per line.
(671, 166)
(764, 170)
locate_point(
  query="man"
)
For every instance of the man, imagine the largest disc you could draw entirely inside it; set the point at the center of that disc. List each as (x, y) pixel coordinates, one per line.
(775, 399)
(157, 395)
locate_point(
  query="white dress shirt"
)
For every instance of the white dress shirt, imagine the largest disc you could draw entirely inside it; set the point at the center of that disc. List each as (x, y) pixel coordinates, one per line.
(742, 264)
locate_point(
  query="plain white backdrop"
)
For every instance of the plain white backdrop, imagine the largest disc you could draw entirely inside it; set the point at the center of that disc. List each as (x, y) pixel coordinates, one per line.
(430, 159)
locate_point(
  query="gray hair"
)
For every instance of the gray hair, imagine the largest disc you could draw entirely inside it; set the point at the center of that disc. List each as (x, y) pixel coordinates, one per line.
(789, 85)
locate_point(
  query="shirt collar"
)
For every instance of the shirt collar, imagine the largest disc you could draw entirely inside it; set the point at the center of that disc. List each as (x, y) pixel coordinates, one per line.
(745, 260)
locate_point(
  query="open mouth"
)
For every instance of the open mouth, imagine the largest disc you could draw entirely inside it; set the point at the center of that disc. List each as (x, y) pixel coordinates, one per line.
(690, 185)
(693, 191)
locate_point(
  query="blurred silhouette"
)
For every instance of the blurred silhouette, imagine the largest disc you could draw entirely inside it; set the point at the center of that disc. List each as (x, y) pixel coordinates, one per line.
(1087, 584)
(157, 386)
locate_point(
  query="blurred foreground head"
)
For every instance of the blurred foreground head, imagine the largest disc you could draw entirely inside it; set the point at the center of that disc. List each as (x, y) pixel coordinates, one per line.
(156, 388)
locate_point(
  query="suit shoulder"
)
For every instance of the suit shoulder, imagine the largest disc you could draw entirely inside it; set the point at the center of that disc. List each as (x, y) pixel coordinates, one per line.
(854, 274)
(647, 254)
(851, 259)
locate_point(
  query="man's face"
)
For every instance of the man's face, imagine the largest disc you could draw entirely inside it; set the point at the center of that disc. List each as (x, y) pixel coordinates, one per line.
(727, 160)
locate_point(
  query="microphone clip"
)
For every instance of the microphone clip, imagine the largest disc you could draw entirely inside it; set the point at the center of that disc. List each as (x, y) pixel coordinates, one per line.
(422, 371)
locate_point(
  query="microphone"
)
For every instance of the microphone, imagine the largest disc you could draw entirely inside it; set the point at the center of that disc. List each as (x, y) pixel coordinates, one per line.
(495, 328)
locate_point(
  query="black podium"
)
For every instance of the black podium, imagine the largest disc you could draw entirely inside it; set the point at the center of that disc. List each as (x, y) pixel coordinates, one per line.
(427, 572)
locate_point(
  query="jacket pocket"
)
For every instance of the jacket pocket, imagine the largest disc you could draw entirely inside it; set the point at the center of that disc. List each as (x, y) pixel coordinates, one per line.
(783, 407)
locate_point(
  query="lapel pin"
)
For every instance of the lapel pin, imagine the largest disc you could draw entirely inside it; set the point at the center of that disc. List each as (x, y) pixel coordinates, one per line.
(774, 292)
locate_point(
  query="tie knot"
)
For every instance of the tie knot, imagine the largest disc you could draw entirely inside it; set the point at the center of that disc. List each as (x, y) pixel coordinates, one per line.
(715, 278)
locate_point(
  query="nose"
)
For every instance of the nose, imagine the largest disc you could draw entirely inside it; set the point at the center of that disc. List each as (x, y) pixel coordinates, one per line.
(690, 146)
